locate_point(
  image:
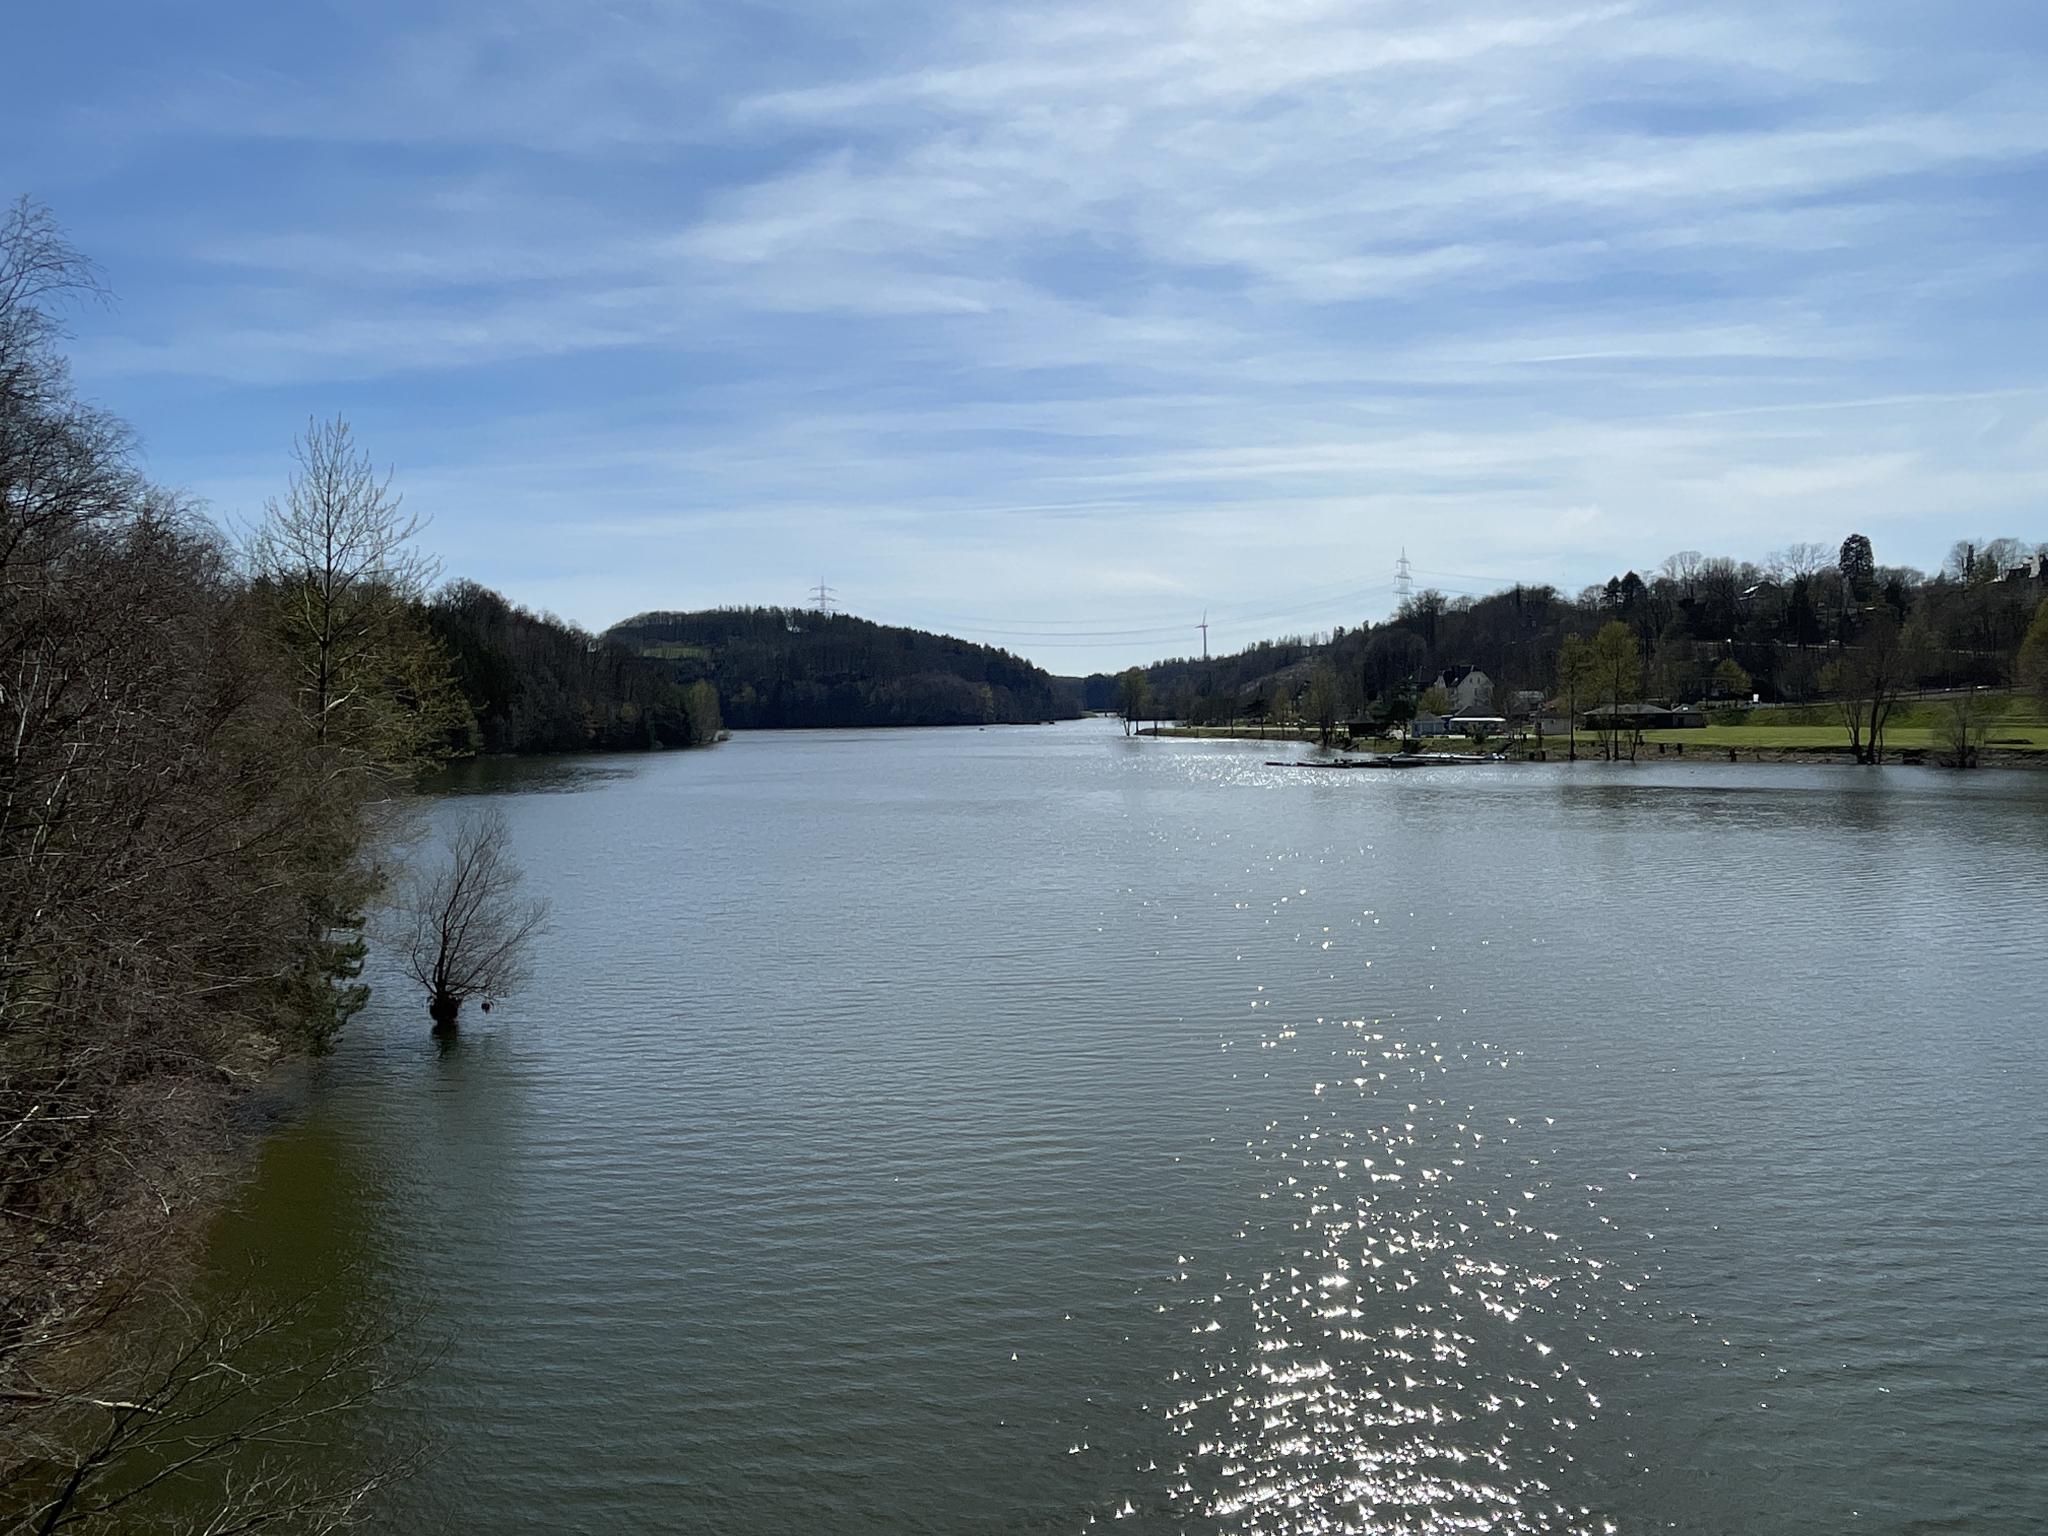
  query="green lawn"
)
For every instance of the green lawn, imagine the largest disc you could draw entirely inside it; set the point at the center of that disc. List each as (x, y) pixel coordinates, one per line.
(2014, 725)
(2016, 737)
(672, 652)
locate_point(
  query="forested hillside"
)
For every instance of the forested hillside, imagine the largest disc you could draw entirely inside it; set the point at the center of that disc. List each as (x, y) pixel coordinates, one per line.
(780, 668)
(535, 684)
(1796, 626)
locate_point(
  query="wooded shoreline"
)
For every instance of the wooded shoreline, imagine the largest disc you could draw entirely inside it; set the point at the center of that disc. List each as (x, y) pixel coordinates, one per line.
(1701, 753)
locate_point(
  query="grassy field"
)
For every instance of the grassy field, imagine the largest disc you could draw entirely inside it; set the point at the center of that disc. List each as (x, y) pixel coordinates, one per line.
(2015, 725)
(2002, 737)
(1712, 742)
(677, 652)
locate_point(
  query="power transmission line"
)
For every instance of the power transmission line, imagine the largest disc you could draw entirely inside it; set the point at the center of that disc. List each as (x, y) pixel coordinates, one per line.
(824, 598)
(1499, 583)
(1054, 631)
(1249, 610)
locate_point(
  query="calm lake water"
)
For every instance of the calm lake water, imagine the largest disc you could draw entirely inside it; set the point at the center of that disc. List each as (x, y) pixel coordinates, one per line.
(1015, 1130)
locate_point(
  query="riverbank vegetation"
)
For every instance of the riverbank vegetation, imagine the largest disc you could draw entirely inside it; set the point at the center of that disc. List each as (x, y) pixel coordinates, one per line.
(781, 668)
(198, 750)
(1812, 626)
(1996, 727)
(204, 752)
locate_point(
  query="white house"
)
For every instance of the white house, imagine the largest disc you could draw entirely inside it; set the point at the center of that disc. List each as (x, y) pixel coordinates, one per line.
(1471, 690)
(2034, 569)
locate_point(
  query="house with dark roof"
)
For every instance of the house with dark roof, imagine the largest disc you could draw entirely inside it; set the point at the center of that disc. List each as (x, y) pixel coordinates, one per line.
(1471, 690)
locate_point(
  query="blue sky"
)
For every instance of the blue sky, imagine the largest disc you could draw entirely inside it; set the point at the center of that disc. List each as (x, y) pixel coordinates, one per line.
(1055, 324)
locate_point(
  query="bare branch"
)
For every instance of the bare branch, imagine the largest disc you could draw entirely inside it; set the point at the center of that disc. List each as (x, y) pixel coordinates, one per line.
(462, 929)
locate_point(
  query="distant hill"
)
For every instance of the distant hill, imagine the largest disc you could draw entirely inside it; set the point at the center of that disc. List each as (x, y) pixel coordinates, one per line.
(1706, 629)
(788, 668)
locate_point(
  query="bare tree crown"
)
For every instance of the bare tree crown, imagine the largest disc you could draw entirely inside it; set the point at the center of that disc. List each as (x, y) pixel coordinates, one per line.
(462, 928)
(40, 272)
(338, 561)
(340, 526)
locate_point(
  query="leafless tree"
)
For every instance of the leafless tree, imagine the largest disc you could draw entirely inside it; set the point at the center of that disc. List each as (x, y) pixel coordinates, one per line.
(1868, 679)
(170, 844)
(462, 928)
(1323, 700)
(40, 275)
(150, 832)
(1683, 569)
(338, 589)
(1134, 696)
(1796, 560)
(337, 559)
(1961, 727)
(203, 1421)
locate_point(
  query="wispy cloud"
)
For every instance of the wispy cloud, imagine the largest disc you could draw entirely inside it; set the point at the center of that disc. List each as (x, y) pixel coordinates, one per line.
(1132, 305)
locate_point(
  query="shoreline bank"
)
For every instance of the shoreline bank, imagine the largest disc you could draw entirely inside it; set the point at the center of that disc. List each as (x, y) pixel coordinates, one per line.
(1710, 752)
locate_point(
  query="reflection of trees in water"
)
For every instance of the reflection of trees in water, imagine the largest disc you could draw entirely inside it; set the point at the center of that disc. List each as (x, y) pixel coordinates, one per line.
(232, 1415)
(525, 775)
(1699, 805)
(234, 1395)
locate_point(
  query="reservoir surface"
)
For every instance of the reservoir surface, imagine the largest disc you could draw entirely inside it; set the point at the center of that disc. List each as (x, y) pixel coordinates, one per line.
(1028, 1129)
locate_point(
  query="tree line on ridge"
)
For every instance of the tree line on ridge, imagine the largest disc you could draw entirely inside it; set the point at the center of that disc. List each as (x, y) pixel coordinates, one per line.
(782, 668)
(1811, 624)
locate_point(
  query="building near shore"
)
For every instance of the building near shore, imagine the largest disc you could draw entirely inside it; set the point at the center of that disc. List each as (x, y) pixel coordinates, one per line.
(1470, 689)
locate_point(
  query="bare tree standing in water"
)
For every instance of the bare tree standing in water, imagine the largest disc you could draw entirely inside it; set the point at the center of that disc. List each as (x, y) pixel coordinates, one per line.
(463, 928)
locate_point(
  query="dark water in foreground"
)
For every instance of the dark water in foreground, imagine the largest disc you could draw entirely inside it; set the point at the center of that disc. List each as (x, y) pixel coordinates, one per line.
(1017, 1130)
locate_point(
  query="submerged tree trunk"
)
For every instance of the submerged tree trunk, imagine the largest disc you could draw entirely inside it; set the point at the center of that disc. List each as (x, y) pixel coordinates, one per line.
(463, 928)
(1852, 713)
(443, 1010)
